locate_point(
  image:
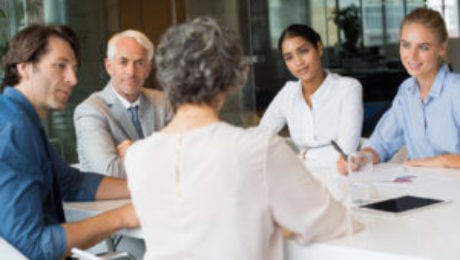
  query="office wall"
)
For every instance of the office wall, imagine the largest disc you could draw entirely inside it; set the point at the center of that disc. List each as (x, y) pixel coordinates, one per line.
(227, 12)
(152, 17)
(453, 54)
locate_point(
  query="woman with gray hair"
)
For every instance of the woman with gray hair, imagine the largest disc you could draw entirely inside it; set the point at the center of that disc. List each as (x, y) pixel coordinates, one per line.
(205, 189)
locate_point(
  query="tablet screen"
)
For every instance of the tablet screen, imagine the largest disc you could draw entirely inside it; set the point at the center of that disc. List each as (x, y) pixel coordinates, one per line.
(401, 204)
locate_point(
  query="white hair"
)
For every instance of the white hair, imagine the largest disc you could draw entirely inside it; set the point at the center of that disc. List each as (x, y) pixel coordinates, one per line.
(140, 38)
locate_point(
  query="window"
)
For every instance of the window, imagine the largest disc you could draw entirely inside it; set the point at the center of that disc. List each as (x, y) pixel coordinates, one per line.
(449, 10)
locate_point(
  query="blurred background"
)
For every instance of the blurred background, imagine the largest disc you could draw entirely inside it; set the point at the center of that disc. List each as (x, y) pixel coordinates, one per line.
(361, 39)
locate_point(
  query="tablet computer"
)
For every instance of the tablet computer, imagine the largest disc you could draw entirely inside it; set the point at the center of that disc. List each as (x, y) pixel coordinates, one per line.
(404, 204)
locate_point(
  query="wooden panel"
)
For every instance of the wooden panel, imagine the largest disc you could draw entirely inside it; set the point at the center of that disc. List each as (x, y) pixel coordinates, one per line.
(181, 11)
(152, 17)
(129, 15)
(157, 17)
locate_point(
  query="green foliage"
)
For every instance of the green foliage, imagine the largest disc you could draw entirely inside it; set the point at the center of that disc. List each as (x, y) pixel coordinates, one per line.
(3, 39)
(3, 33)
(26, 12)
(349, 21)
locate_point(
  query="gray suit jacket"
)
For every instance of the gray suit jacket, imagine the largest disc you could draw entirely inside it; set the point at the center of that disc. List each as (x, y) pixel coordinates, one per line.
(102, 122)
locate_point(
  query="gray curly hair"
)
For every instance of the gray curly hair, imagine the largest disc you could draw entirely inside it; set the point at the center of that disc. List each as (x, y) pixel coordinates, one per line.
(197, 60)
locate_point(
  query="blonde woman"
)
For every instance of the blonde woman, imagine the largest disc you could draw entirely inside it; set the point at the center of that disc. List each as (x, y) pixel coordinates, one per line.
(425, 114)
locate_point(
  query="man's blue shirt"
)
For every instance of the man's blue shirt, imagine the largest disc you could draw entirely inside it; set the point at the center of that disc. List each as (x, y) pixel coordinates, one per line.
(429, 128)
(33, 180)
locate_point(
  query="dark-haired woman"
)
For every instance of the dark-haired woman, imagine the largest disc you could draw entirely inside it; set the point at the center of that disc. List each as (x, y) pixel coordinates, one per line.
(320, 106)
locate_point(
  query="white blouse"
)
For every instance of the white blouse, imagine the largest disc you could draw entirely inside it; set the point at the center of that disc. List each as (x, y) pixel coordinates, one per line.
(337, 114)
(222, 192)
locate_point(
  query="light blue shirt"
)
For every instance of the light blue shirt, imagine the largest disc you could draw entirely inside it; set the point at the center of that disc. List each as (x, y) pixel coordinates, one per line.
(429, 128)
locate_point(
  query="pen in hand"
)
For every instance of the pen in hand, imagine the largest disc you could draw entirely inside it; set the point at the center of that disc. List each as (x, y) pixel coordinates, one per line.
(338, 149)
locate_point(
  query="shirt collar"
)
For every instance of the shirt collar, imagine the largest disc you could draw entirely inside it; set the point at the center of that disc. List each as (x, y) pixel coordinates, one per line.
(438, 83)
(322, 90)
(125, 102)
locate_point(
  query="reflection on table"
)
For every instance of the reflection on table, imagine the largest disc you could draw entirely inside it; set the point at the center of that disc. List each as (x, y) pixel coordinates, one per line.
(426, 233)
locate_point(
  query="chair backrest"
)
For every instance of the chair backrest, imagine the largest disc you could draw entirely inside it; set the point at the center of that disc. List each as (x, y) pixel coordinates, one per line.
(372, 113)
(7, 251)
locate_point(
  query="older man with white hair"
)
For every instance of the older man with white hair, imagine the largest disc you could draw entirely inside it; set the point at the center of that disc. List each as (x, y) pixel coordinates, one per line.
(109, 121)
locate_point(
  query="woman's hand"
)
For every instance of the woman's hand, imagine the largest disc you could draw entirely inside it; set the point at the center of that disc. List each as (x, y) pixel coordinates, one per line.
(342, 166)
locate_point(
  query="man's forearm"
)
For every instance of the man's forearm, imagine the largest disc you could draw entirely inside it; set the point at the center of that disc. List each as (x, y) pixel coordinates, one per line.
(86, 233)
(112, 188)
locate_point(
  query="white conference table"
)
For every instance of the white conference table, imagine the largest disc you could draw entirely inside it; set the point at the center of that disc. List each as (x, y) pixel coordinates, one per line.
(431, 233)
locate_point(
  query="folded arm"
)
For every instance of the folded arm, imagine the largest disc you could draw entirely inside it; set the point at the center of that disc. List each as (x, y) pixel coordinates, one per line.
(97, 149)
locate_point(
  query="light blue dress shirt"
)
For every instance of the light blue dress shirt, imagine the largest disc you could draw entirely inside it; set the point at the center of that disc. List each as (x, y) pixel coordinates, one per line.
(33, 181)
(429, 128)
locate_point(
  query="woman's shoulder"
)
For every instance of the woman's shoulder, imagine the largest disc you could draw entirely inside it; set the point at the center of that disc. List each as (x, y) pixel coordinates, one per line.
(452, 80)
(252, 132)
(289, 89)
(343, 81)
(449, 82)
(250, 136)
(290, 86)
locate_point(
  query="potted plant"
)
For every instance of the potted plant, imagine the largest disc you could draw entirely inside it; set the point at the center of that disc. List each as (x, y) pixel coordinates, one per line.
(348, 21)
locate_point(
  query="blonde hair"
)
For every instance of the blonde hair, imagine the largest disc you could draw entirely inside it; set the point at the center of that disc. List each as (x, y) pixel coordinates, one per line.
(430, 19)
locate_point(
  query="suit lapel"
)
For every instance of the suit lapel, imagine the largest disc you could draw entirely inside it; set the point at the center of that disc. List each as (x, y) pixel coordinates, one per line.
(119, 113)
(146, 115)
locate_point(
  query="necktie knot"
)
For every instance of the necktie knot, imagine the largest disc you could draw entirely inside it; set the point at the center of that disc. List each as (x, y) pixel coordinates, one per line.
(133, 109)
(135, 119)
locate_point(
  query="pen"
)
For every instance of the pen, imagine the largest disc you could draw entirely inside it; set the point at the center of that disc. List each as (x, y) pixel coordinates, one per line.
(338, 149)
